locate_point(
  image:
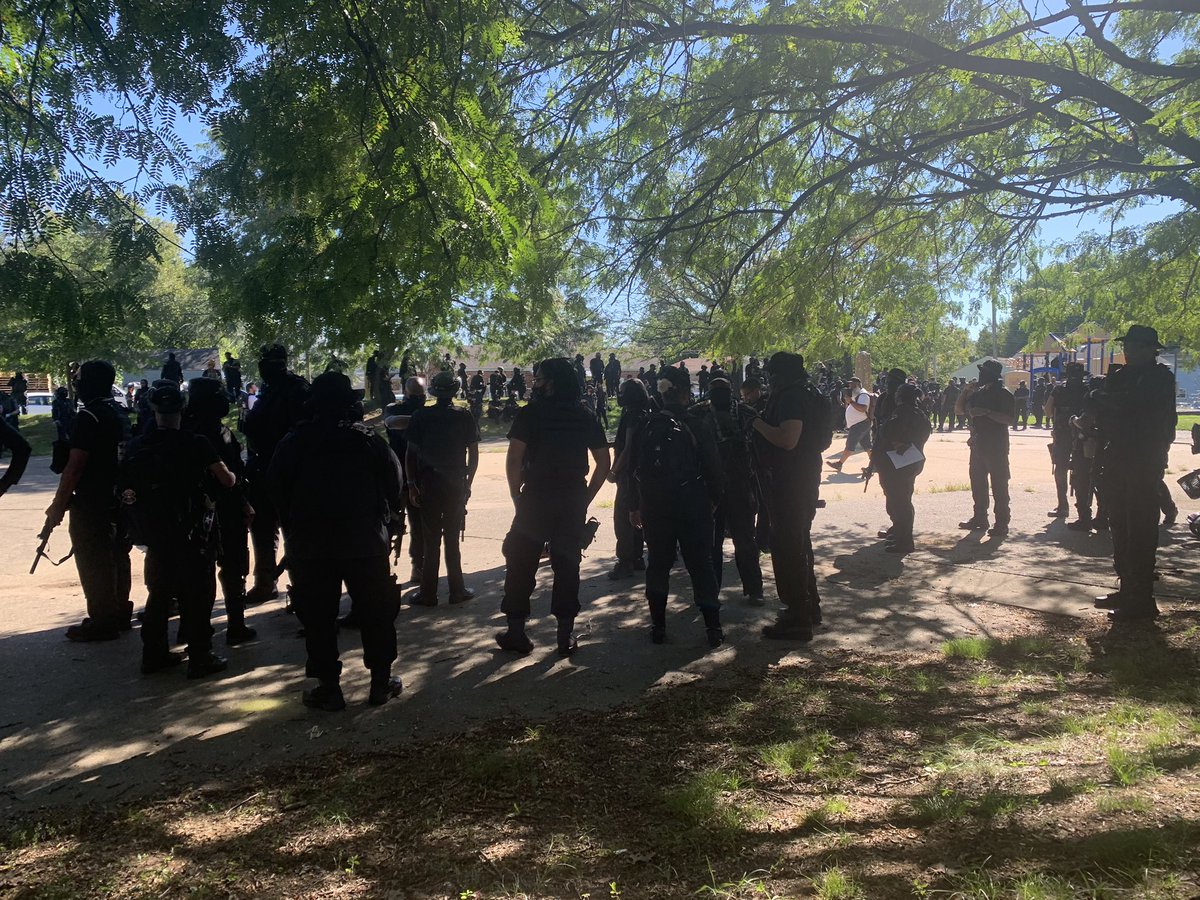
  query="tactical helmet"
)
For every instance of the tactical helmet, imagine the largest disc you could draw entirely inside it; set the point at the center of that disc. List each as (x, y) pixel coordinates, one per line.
(165, 397)
(444, 384)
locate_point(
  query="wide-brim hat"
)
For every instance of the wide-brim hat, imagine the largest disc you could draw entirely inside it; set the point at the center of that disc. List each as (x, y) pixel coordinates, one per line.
(444, 384)
(332, 391)
(1142, 334)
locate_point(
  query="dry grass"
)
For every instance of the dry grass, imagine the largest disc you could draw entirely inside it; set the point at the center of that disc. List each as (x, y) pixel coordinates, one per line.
(1060, 762)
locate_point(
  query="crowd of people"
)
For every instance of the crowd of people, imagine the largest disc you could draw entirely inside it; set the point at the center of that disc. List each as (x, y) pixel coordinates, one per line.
(691, 468)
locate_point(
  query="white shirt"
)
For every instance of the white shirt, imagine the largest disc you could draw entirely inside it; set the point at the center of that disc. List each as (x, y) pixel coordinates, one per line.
(854, 416)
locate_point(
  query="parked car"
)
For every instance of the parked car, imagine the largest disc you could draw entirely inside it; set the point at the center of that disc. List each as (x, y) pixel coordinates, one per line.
(37, 403)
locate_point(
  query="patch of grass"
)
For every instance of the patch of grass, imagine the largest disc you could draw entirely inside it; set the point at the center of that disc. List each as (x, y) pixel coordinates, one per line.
(1122, 802)
(833, 808)
(927, 682)
(750, 884)
(1128, 767)
(811, 754)
(862, 714)
(702, 800)
(949, 805)
(950, 488)
(1035, 709)
(835, 884)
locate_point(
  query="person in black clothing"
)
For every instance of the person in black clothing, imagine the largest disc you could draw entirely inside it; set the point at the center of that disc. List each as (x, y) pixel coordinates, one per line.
(516, 384)
(634, 401)
(337, 486)
(463, 379)
(63, 412)
(1066, 400)
(991, 410)
(753, 369)
(280, 405)
(792, 466)
(496, 384)
(397, 418)
(11, 440)
(88, 487)
(372, 375)
(945, 410)
(702, 381)
(1135, 413)
(1037, 401)
(18, 386)
(1021, 398)
(755, 397)
(207, 408)
(580, 373)
(164, 497)
(597, 369)
(677, 478)
(172, 370)
(441, 460)
(908, 426)
(730, 421)
(612, 375)
(547, 468)
(233, 376)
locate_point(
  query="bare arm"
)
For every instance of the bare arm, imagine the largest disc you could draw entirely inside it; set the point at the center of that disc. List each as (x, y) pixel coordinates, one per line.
(222, 474)
(472, 461)
(76, 463)
(785, 435)
(514, 463)
(602, 456)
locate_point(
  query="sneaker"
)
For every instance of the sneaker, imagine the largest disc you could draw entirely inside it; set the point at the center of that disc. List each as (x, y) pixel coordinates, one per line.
(1061, 513)
(87, 631)
(834, 464)
(1109, 601)
(384, 686)
(1080, 524)
(209, 664)
(619, 571)
(884, 532)
(261, 593)
(462, 596)
(325, 696)
(756, 599)
(658, 634)
(998, 529)
(416, 598)
(716, 637)
(973, 525)
(239, 635)
(160, 663)
(1133, 614)
(514, 642)
(788, 631)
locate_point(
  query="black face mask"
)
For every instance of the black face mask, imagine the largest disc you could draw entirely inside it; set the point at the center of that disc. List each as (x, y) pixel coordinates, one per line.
(272, 371)
(721, 399)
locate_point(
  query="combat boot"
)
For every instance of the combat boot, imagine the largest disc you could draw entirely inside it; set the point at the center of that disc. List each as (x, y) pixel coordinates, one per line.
(327, 696)
(1083, 523)
(384, 686)
(206, 664)
(261, 593)
(1112, 600)
(658, 619)
(973, 524)
(712, 627)
(567, 642)
(514, 640)
(788, 628)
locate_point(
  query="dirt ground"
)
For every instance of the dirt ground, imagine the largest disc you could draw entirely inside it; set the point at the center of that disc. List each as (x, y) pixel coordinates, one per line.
(80, 726)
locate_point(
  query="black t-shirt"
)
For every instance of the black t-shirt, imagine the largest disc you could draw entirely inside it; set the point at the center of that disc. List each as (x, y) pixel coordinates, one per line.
(558, 439)
(997, 398)
(786, 404)
(441, 435)
(98, 429)
(1068, 401)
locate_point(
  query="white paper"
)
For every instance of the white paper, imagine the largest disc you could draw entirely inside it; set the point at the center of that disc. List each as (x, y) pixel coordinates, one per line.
(909, 457)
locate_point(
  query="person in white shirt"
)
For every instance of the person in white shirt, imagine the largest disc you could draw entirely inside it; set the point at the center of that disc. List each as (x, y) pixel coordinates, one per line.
(858, 423)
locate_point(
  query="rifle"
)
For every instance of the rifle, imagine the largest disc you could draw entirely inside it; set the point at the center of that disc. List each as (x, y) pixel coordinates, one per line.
(44, 535)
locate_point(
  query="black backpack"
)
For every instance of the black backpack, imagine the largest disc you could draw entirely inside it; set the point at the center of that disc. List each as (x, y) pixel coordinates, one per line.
(733, 441)
(818, 419)
(162, 504)
(667, 453)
